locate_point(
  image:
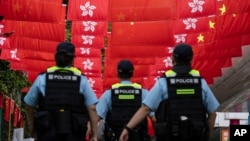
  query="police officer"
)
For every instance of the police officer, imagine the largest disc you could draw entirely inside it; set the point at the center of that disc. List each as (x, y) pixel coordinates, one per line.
(61, 101)
(118, 104)
(184, 104)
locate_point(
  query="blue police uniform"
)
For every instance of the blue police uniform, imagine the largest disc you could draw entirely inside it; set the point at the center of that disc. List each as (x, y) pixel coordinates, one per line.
(159, 92)
(104, 104)
(38, 86)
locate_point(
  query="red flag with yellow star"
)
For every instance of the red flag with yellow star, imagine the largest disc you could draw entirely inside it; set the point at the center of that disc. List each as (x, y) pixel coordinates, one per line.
(32, 10)
(141, 10)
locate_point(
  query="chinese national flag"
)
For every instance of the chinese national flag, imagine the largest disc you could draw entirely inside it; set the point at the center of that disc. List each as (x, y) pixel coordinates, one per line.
(31, 64)
(89, 28)
(42, 31)
(142, 33)
(137, 51)
(31, 10)
(141, 10)
(34, 44)
(239, 25)
(83, 10)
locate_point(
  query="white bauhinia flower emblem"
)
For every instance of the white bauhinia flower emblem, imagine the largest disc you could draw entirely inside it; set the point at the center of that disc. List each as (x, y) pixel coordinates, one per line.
(87, 9)
(85, 51)
(196, 5)
(168, 62)
(91, 82)
(89, 25)
(2, 41)
(14, 54)
(88, 64)
(87, 39)
(170, 49)
(1, 27)
(181, 38)
(190, 23)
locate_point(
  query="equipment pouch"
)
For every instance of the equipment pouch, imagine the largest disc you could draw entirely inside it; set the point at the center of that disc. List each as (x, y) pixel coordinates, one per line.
(42, 121)
(161, 130)
(63, 125)
(79, 124)
(186, 130)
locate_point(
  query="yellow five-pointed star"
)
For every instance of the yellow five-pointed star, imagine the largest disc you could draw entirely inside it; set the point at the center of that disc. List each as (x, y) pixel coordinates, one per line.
(121, 17)
(211, 24)
(119, 31)
(200, 38)
(16, 7)
(223, 9)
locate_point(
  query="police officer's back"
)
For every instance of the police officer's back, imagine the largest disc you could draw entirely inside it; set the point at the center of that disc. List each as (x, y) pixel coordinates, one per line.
(118, 104)
(184, 104)
(60, 101)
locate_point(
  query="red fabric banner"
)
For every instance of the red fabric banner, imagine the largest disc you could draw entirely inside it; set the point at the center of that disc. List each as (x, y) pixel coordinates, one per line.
(43, 31)
(31, 10)
(88, 52)
(88, 41)
(7, 109)
(90, 66)
(16, 116)
(83, 10)
(142, 33)
(33, 44)
(195, 8)
(141, 10)
(89, 28)
(136, 51)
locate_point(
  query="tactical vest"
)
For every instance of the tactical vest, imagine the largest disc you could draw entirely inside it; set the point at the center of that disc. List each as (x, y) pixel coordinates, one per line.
(182, 115)
(62, 90)
(126, 100)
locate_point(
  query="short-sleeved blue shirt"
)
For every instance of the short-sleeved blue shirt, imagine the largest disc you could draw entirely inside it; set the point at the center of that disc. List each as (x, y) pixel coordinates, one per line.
(159, 92)
(104, 104)
(38, 87)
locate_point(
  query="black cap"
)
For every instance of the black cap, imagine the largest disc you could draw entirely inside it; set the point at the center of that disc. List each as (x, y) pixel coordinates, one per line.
(183, 52)
(66, 47)
(125, 66)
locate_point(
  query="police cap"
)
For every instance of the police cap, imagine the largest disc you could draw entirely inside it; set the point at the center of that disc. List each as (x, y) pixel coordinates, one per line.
(66, 47)
(183, 52)
(125, 66)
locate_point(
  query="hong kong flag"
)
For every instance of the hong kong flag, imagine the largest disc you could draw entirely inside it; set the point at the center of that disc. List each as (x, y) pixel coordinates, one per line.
(83, 10)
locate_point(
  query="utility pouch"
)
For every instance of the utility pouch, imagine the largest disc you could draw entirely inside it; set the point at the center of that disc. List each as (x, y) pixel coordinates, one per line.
(42, 121)
(63, 125)
(186, 130)
(79, 124)
(161, 130)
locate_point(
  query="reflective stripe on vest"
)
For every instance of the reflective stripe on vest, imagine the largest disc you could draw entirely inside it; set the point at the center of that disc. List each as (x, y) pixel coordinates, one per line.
(171, 73)
(72, 69)
(127, 96)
